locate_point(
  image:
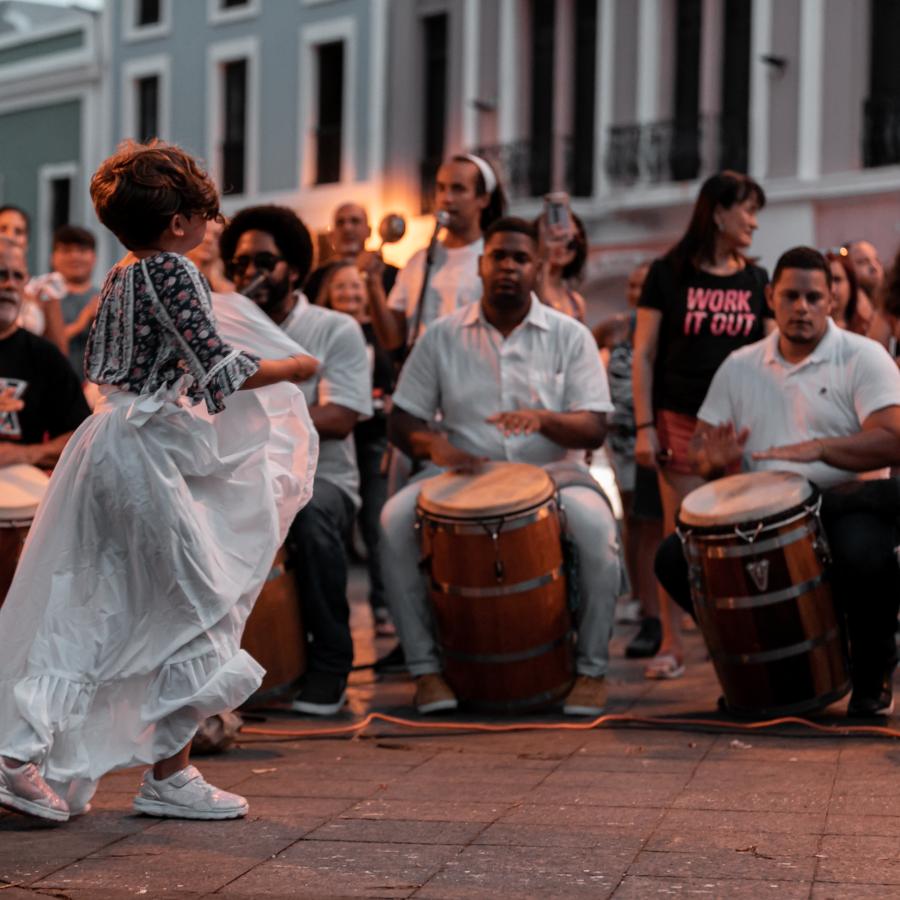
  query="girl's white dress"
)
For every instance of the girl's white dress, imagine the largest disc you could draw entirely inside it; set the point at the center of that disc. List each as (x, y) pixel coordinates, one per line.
(121, 630)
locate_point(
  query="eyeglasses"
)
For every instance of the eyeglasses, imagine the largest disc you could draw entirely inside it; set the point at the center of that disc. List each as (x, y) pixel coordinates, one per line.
(17, 276)
(262, 262)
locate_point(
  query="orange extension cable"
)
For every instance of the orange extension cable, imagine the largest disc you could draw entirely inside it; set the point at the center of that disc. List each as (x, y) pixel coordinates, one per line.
(611, 719)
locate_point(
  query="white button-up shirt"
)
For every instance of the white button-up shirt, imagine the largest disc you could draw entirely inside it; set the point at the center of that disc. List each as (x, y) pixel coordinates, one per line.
(829, 394)
(464, 369)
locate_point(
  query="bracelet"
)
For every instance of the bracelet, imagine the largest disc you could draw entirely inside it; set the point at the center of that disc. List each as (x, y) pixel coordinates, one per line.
(650, 424)
(822, 450)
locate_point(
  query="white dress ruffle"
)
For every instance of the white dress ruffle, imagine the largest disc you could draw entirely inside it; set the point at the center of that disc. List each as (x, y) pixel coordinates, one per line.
(121, 630)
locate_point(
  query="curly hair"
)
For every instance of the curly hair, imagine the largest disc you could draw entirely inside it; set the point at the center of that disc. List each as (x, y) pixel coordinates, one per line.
(138, 189)
(291, 236)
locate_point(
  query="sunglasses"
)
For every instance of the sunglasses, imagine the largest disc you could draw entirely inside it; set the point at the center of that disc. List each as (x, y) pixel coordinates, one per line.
(17, 276)
(262, 262)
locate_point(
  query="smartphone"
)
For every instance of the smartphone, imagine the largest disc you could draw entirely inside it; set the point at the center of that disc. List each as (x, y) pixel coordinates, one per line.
(557, 214)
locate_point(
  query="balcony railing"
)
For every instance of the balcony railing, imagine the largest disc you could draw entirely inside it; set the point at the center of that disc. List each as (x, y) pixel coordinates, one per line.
(681, 150)
(881, 131)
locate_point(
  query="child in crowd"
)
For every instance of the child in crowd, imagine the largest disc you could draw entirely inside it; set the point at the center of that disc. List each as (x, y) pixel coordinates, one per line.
(121, 630)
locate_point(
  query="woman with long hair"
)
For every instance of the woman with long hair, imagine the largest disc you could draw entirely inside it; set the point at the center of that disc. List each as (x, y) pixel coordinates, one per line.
(703, 299)
(848, 312)
(562, 266)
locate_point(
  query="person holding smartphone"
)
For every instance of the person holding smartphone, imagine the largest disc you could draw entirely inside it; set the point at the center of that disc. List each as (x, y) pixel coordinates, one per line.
(702, 300)
(563, 249)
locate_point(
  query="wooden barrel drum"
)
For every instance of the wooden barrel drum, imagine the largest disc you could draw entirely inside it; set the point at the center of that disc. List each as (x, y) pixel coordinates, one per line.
(274, 635)
(22, 488)
(491, 546)
(756, 556)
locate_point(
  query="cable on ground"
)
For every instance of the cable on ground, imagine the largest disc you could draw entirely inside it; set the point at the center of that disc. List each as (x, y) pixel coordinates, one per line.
(608, 720)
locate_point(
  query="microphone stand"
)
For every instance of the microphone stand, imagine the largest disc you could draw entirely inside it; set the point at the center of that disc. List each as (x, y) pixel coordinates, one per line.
(441, 222)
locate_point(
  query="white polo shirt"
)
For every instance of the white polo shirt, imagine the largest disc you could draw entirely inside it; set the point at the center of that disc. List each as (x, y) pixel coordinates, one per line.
(464, 369)
(343, 377)
(454, 283)
(829, 394)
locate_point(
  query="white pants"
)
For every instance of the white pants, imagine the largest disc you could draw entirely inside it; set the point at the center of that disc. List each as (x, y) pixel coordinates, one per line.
(589, 522)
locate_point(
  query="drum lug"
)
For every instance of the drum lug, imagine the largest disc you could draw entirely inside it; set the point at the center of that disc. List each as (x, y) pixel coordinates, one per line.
(821, 548)
(695, 579)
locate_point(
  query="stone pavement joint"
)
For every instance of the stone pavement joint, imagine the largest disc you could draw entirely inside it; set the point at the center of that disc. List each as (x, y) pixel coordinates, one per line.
(618, 813)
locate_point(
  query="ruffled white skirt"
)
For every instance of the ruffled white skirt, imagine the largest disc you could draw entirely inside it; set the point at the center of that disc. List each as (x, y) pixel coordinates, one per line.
(121, 630)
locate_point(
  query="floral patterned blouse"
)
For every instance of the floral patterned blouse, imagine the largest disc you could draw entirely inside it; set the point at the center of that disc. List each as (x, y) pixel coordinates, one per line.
(155, 325)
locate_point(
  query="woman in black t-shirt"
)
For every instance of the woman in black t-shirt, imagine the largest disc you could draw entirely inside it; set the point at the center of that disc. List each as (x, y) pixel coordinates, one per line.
(701, 301)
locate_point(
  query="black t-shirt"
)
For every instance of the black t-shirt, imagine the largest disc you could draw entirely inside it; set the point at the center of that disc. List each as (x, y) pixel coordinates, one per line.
(704, 318)
(44, 380)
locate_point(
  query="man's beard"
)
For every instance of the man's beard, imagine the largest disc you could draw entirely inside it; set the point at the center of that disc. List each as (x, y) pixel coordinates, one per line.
(272, 296)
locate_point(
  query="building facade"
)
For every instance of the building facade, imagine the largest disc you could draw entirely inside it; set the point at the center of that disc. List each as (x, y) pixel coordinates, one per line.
(50, 105)
(283, 100)
(630, 104)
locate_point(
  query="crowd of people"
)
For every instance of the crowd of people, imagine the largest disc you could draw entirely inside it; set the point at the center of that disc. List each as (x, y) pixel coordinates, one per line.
(475, 351)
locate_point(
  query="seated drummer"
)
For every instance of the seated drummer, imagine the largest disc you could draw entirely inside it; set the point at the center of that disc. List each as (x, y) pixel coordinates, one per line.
(512, 380)
(813, 399)
(41, 402)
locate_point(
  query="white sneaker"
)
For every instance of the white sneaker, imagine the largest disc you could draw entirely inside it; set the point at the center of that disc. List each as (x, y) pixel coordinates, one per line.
(187, 795)
(23, 789)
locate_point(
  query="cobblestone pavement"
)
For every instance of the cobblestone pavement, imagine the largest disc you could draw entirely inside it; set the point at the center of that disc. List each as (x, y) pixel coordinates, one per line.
(399, 813)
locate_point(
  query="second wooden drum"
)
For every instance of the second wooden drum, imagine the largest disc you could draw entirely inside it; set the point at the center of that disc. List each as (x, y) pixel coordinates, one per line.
(757, 555)
(491, 546)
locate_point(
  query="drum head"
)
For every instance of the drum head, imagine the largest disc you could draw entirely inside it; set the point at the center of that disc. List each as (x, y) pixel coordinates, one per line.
(21, 490)
(744, 498)
(498, 489)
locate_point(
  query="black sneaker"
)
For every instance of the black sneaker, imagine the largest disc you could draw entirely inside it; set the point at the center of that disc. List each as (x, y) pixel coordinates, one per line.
(647, 641)
(875, 700)
(392, 663)
(322, 694)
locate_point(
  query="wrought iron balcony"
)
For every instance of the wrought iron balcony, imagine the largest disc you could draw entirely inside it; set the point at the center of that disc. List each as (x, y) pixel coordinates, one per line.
(680, 150)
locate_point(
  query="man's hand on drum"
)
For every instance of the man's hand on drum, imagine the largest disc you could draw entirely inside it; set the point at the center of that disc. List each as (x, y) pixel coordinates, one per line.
(9, 402)
(445, 455)
(716, 448)
(805, 451)
(517, 421)
(12, 454)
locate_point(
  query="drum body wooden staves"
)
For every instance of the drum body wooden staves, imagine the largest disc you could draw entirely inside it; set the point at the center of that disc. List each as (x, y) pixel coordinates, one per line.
(756, 557)
(22, 488)
(274, 635)
(492, 547)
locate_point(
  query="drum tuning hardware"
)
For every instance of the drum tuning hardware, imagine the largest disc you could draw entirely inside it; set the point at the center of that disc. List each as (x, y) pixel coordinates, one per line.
(748, 536)
(695, 577)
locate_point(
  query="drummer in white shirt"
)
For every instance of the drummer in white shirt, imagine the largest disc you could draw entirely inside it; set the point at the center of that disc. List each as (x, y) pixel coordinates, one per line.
(823, 402)
(512, 380)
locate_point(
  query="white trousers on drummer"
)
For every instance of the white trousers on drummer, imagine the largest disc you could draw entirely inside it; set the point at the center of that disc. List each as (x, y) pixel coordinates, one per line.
(591, 525)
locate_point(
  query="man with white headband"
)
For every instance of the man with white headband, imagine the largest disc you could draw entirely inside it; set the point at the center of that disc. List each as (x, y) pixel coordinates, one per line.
(468, 194)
